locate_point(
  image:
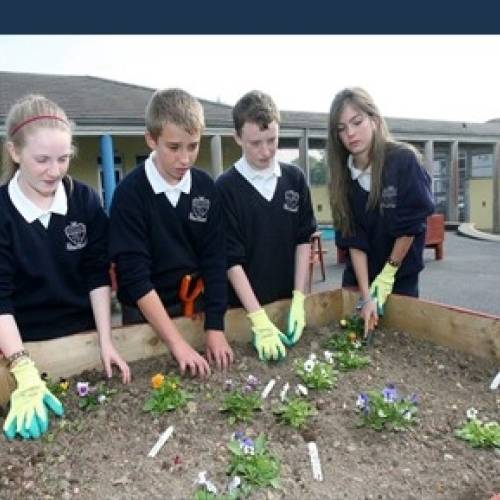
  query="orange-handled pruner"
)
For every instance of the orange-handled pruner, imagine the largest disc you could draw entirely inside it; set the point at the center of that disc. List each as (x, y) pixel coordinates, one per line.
(189, 290)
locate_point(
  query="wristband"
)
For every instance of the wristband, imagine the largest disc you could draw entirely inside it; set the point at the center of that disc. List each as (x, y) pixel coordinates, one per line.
(23, 353)
(362, 303)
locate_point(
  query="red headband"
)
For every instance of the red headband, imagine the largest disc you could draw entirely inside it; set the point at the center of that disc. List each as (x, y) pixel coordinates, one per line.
(34, 118)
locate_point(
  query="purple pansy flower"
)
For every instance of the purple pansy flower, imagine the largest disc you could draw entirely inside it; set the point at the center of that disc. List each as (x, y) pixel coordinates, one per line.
(82, 388)
(238, 436)
(390, 393)
(252, 380)
(247, 446)
(362, 401)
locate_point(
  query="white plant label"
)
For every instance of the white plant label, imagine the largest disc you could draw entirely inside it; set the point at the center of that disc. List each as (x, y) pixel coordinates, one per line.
(496, 382)
(268, 388)
(161, 441)
(315, 463)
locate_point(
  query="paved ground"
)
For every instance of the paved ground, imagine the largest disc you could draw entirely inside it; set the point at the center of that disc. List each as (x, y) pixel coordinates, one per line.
(468, 276)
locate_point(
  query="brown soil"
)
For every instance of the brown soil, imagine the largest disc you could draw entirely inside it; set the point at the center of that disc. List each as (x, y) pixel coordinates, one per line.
(103, 453)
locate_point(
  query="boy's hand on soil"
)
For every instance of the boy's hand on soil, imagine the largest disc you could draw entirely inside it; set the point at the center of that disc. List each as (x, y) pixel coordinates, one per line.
(382, 285)
(217, 350)
(29, 403)
(296, 319)
(110, 357)
(189, 359)
(267, 339)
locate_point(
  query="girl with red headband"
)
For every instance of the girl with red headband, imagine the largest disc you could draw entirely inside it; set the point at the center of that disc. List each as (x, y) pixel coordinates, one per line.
(54, 278)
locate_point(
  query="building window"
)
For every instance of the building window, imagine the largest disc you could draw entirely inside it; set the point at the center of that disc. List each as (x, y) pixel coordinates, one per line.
(482, 165)
(440, 185)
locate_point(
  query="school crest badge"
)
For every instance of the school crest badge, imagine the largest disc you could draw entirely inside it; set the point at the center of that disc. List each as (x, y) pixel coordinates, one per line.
(389, 197)
(199, 209)
(76, 234)
(291, 201)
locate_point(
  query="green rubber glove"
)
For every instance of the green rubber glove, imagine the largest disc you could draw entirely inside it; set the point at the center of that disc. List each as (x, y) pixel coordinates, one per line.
(28, 415)
(267, 339)
(382, 285)
(296, 319)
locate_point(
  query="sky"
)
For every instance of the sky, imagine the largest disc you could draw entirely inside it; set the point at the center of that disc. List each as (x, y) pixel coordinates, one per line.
(437, 77)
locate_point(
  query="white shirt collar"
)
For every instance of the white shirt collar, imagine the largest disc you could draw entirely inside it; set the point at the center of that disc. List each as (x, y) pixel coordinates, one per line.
(264, 181)
(160, 185)
(364, 177)
(252, 173)
(32, 212)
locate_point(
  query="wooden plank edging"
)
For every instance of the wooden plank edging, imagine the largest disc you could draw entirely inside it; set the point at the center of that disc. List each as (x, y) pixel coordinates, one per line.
(468, 331)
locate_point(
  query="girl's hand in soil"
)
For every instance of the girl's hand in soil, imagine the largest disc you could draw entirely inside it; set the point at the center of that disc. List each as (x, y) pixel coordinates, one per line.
(110, 357)
(188, 359)
(217, 350)
(370, 316)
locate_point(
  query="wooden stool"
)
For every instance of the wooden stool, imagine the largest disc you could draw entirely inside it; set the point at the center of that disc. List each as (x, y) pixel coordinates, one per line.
(316, 257)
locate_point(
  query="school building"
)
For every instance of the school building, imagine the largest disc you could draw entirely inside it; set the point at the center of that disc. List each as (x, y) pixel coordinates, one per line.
(464, 158)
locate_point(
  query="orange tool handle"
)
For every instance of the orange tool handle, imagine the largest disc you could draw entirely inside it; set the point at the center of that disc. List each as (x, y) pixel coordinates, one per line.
(188, 294)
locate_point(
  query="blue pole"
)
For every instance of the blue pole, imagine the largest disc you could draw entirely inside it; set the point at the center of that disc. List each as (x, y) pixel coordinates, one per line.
(108, 169)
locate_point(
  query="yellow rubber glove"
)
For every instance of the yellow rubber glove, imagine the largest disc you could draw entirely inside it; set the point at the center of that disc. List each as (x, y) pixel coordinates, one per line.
(382, 285)
(267, 339)
(28, 415)
(296, 319)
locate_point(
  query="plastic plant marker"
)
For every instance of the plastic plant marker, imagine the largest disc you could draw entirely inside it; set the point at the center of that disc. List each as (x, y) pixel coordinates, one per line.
(161, 441)
(315, 462)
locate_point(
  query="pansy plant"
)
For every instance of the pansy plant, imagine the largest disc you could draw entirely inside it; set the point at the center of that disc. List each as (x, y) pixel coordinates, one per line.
(167, 394)
(59, 389)
(350, 338)
(240, 405)
(317, 374)
(295, 412)
(386, 409)
(92, 396)
(479, 434)
(253, 463)
(350, 360)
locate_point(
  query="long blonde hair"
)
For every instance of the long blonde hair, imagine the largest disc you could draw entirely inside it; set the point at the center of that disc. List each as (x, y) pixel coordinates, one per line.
(27, 115)
(337, 154)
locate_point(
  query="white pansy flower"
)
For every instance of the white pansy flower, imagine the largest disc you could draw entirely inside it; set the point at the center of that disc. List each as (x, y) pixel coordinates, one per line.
(471, 414)
(309, 366)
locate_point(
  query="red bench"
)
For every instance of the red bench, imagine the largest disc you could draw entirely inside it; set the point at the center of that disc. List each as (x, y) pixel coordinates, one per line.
(434, 238)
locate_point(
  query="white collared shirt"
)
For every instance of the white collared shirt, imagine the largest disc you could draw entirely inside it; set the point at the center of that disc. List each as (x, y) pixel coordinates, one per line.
(160, 185)
(264, 181)
(364, 177)
(32, 212)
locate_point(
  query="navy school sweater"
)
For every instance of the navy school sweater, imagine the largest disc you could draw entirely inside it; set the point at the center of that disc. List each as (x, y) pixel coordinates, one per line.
(406, 201)
(46, 274)
(155, 244)
(262, 235)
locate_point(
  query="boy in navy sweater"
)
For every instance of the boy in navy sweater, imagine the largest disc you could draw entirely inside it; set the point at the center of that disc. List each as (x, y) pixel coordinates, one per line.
(166, 224)
(269, 221)
(54, 268)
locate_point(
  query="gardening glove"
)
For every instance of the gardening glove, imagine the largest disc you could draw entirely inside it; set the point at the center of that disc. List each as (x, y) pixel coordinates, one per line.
(296, 319)
(382, 285)
(28, 415)
(267, 339)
